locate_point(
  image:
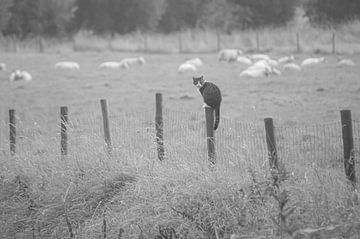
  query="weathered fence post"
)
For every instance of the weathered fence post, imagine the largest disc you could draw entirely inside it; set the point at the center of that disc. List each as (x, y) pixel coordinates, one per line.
(105, 115)
(146, 43)
(218, 38)
(180, 42)
(209, 116)
(257, 42)
(333, 43)
(298, 50)
(63, 133)
(159, 126)
(271, 144)
(348, 143)
(12, 126)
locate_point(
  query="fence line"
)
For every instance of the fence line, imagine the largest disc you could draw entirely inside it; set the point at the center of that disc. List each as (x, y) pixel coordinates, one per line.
(181, 42)
(185, 134)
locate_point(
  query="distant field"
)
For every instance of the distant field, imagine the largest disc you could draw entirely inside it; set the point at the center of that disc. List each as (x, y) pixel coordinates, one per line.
(313, 95)
(39, 192)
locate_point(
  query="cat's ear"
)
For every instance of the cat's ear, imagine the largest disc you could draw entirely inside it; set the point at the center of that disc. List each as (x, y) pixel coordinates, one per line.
(201, 77)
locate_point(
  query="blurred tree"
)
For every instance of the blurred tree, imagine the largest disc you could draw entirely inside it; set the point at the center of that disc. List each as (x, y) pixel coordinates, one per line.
(332, 11)
(57, 16)
(25, 18)
(121, 16)
(257, 13)
(4, 13)
(181, 14)
(218, 14)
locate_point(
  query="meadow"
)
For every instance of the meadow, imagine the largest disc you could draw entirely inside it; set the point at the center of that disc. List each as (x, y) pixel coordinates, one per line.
(131, 194)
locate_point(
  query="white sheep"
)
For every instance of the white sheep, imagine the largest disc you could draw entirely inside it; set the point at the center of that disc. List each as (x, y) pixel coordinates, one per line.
(345, 62)
(197, 62)
(244, 60)
(273, 63)
(185, 67)
(257, 57)
(291, 66)
(110, 65)
(67, 65)
(258, 69)
(133, 60)
(286, 59)
(229, 55)
(18, 75)
(312, 61)
(2, 67)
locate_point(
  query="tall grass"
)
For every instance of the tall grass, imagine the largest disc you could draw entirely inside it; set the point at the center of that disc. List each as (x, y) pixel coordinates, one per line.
(133, 195)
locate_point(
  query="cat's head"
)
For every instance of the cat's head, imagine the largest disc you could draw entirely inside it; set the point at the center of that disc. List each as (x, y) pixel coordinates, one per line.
(198, 81)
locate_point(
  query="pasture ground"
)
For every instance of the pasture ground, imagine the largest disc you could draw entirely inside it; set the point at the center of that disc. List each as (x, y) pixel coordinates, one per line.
(90, 194)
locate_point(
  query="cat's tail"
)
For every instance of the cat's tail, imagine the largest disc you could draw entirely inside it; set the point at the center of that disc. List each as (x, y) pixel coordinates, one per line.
(217, 118)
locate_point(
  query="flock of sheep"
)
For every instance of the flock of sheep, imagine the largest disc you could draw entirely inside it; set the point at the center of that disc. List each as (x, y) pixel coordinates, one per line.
(18, 75)
(259, 65)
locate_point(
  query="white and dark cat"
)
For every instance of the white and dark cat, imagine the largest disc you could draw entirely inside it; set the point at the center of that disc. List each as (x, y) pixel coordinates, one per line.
(211, 95)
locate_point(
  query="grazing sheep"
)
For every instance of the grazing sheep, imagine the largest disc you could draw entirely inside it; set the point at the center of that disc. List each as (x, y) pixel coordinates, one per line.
(345, 62)
(244, 60)
(197, 62)
(273, 63)
(257, 57)
(291, 66)
(312, 61)
(68, 65)
(133, 60)
(286, 59)
(258, 69)
(229, 55)
(110, 65)
(2, 67)
(185, 67)
(18, 75)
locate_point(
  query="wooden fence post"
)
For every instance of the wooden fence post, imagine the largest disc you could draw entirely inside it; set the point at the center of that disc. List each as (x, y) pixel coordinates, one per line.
(298, 50)
(333, 43)
(63, 123)
(348, 143)
(12, 127)
(106, 125)
(180, 42)
(257, 42)
(209, 116)
(271, 143)
(159, 127)
(218, 38)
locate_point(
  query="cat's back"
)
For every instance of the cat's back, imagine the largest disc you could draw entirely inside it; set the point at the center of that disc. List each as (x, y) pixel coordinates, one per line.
(211, 93)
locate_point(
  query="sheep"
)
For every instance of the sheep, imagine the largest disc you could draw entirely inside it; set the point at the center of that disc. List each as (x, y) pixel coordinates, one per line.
(133, 60)
(109, 65)
(20, 75)
(229, 55)
(258, 69)
(291, 66)
(345, 62)
(244, 60)
(197, 62)
(257, 57)
(69, 65)
(186, 67)
(312, 61)
(2, 67)
(286, 59)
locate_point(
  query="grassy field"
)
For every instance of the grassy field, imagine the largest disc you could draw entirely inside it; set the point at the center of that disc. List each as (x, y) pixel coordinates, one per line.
(131, 194)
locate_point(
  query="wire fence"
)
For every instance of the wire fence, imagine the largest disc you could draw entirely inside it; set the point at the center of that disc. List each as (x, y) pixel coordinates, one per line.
(133, 135)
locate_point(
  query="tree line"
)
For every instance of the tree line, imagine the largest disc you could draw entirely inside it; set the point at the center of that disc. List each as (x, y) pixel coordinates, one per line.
(24, 18)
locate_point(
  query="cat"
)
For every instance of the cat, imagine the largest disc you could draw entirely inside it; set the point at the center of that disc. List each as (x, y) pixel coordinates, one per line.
(211, 95)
